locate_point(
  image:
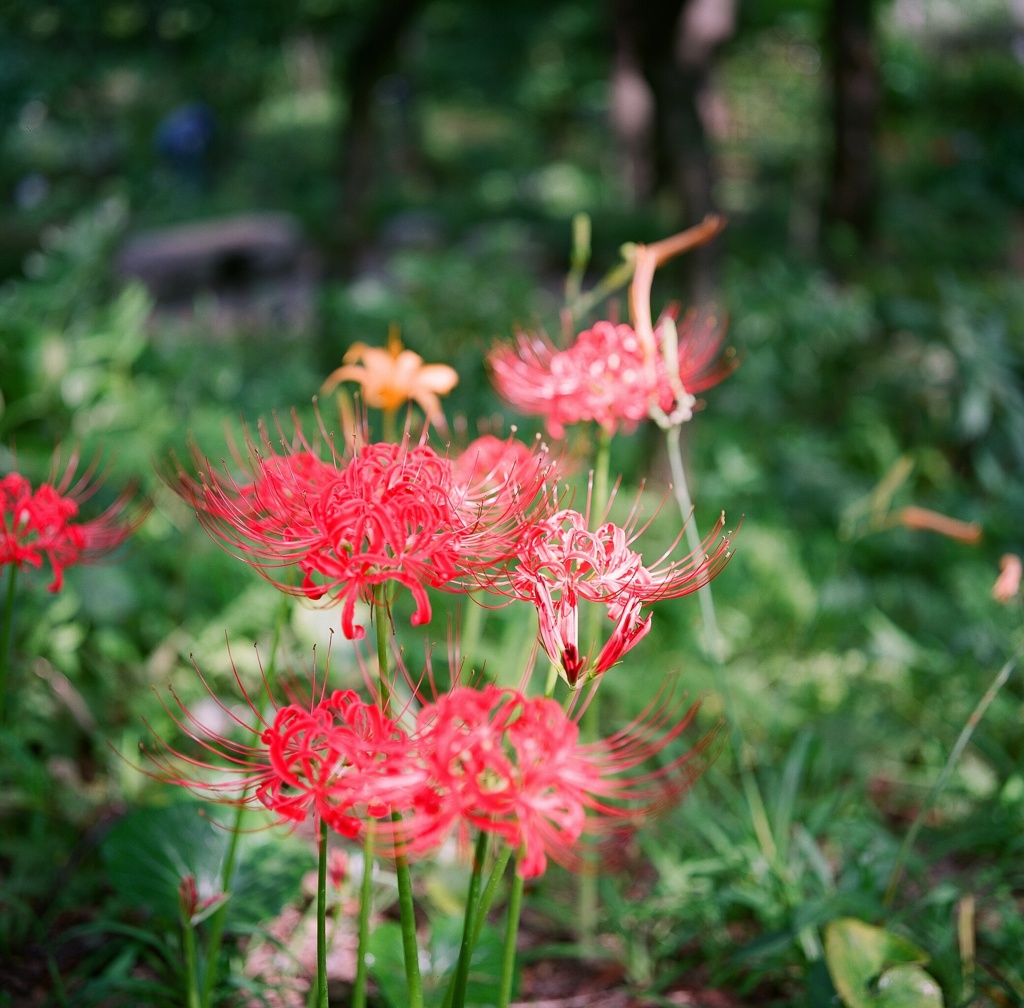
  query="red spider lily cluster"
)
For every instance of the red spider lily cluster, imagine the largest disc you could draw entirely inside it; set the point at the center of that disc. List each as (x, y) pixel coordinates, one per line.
(485, 758)
(42, 524)
(403, 513)
(381, 513)
(340, 527)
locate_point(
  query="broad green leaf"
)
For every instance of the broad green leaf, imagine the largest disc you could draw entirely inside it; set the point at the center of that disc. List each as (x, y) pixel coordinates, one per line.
(873, 968)
(150, 850)
(388, 964)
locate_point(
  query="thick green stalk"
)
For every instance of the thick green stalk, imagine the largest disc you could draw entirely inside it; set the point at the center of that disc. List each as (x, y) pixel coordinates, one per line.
(389, 426)
(188, 940)
(472, 627)
(380, 616)
(406, 906)
(592, 618)
(508, 960)
(5, 643)
(321, 919)
(954, 757)
(407, 912)
(483, 908)
(466, 947)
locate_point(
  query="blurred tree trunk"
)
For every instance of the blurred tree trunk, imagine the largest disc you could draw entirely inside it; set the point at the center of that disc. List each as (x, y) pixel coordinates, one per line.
(673, 43)
(370, 58)
(856, 99)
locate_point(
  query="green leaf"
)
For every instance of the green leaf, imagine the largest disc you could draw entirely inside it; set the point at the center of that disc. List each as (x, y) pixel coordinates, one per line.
(873, 968)
(483, 984)
(388, 964)
(150, 850)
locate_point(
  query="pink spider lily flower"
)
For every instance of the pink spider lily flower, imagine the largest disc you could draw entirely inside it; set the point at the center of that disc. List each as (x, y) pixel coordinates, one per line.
(609, 375)
(392, 377)
(618, 375)
(42, 524)
(335, 758)
(601, 377)
(383, 513)
(513, 766)
(561, 561)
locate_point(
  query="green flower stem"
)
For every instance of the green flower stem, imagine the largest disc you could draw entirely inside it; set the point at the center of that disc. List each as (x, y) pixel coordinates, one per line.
(5, 643)
(472, 626)
(592, 619)
(188, 940)
(616, 279)
(587, 894)
(755, 803)
(217, 922)
(365, 901)
(809, 940)
(579, 259)
(602, 460)
(389, 426)
(466, 947)
(321, 919)
(483, 907)
(551, 682)
(407, 913)
(508, 961)
(954, 757)
(381, 621)
(490, 890)
(406, 907)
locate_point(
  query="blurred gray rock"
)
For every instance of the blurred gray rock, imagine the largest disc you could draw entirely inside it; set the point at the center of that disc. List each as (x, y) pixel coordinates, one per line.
(254, 269)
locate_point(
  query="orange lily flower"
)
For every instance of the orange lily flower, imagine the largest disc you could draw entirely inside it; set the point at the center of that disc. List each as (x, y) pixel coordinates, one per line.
(390, 377)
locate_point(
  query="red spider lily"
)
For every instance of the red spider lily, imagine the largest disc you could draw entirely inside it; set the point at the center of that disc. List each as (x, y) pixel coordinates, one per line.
(502, 485)
(560, 562)
(514, 766)
(42, 523)
(336, 758)
(386, 512)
